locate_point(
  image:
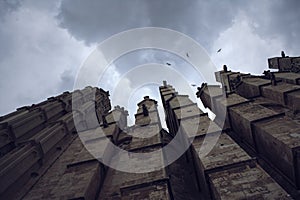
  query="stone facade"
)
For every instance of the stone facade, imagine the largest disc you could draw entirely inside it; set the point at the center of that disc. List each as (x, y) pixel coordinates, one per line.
(39, 142)
(72, 146)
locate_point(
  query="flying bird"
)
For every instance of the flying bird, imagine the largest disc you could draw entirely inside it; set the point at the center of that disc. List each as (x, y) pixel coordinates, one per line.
(187, 55)
(219, 50)
(194, 85)
(168, 64)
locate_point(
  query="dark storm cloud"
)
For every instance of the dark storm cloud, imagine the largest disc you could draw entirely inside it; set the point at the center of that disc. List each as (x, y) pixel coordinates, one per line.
(93, 20)
(202, 20)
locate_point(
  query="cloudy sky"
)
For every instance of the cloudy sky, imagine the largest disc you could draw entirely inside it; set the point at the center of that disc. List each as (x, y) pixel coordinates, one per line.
(44, 43)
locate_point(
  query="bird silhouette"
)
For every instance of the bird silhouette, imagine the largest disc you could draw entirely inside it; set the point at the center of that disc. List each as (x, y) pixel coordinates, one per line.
(219, 50)
(168, 64)
(187, 55)
(194, 85)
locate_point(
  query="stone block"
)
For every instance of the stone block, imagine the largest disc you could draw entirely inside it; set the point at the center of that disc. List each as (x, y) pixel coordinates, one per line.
(214, 153)
(279, 92)
(273, 63)
(288, 77)
(218, 150)
(222, 105)
(293, 100)
(209, 94)
(285, 64)
(242, 118)
(6, 140)
(251, 87)
(179, 101)
(245, 182)
(50, 136)
(278, 142)
(68, 121)
(52, 109)
(25, 123)
(187, 112)
(198, 126)
(151, 191)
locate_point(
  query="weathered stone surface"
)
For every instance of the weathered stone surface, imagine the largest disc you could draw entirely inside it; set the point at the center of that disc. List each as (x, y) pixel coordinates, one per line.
(169, 91)
(79, 182)
(116, 182)
(224, 151)
(16, 168)
(145, 136)
(293, 100)
(245, 183)
(242, 117)
(188, 111)
(111, 131)
(117, 185)
(68, 122)
(151, 119)
(145, 142)
(75, 180)
(216, 152)
(150, 107)
(279, 92)
(88, 110)
(41, 133)
(77, 99)
(222, 105)
(79, 121)
(180, 101)
(273, 63)
(251, 87)
(52, 109)
(66, 98)
(284, 63)
(24, 123)
(282, 99)
(118, 116)
(224, 78)
(198, 126)
(209, 94)
(270, 104)
(50, 136)
(288, 77)
(148, 191)
(278, 140)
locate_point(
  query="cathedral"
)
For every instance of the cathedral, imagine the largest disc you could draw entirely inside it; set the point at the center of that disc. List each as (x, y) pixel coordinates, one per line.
(78, 146)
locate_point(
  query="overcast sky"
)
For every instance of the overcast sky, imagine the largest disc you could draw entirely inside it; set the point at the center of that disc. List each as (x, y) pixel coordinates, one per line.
(44, 43)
